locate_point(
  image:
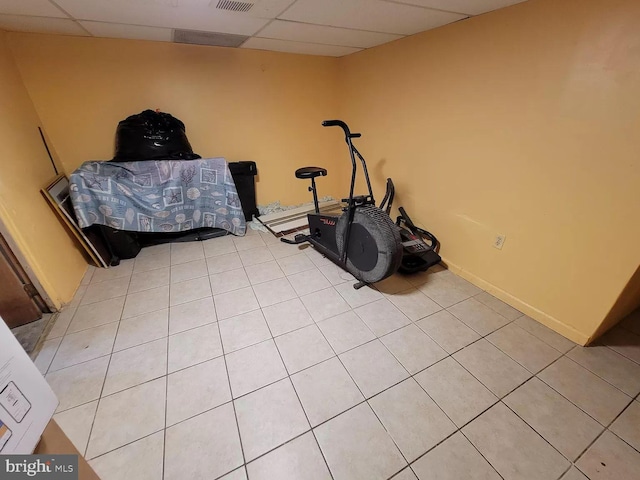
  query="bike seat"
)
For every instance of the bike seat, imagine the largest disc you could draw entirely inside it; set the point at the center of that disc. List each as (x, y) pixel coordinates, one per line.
(310, 172)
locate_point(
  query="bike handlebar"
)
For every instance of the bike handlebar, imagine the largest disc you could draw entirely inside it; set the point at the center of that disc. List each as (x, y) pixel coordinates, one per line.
(341, 124)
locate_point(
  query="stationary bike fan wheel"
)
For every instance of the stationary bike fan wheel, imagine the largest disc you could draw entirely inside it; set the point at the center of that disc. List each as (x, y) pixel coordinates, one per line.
(375, 247)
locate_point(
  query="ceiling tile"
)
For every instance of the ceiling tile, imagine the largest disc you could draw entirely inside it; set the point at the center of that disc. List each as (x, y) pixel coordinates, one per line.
(373, 15)
(306, 32)
(21, 23)
(38, 8)
(136, 32)
(189, 14)
(470, 7)
(298, 47)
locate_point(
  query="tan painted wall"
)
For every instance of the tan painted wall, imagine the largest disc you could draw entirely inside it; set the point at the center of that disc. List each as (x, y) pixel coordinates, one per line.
(25, 167)
(523, 122)
(239, 104)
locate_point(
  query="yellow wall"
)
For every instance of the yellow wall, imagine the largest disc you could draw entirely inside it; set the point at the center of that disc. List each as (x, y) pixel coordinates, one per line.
(523, 122)
(239, 104)
(26, 168)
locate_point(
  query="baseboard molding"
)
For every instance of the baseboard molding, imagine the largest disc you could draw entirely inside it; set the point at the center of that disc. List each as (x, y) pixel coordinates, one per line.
(538, 315)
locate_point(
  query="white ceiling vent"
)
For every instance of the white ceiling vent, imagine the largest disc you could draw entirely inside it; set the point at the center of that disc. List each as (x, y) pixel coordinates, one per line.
(234, 5)
(208, 38)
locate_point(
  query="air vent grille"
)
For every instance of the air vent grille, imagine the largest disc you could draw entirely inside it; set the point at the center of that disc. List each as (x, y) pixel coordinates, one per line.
(208, 38)
(234, 5)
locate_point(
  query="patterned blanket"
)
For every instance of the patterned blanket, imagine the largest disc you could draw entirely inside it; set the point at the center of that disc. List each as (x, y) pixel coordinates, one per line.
(157, 195)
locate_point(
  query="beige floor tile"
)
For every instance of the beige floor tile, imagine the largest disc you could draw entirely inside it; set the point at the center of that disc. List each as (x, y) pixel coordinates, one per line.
(412, 418)
(85, 345)
(145, 328)
(382, 317)
(406, 474)
(357, 298)
(148, 280)
(624, 342)
(235, 303)
(264, 272)
(239, 474)
(345, 331)
(274, 291)
(163, 248)
(627, 425)
(46, 354)
(512, 447)
(104, 291)
(413, 348)
(442, 291)
(281, 250)
(147, 263)
(356, 445)
(78, 384)
(243, 330)
(414, 304)
(524, 348)
(574, 474)
(96, 314)
(477, 316)
(298, 459)
(335, 274)
(194, 346)
(507, 311)
(610, 458)
(76, 423)
(228, 281)
(454, 459)
(182, 252)
(189, 291)
(295, 264)
(456, 391)
(308, 281)
(195, 313)
(616, 369)
(324, 304)
(188, 271)
(373, 368)
(128, 416)
(62, 322)
(223, 263)
(141, 460)
(254, 367)
(287, 316)
(269, 417)
(145, 302)
(449, 332)
(394, 284)
(196, 389)
(218, 246)
(326, 390)
(545, 334)
(302, 348)
(136, 365)
(494, 369)
(589, 392)
(205, 446)
(255, 256)
(248, 242)
(560, 422)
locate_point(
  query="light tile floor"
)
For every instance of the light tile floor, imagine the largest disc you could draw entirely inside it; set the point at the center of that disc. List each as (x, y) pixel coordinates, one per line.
(242, 358)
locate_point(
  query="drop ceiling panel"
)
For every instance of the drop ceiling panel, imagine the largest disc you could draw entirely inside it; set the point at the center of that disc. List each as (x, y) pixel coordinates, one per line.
(39, 8)
(188, 14)
(470, 7)
(20, 23)
(372, 15)
(305, 32)
(136, 32)
(298, 47)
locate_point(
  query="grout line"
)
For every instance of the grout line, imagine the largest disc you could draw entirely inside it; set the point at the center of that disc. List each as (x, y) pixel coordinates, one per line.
(166, 383)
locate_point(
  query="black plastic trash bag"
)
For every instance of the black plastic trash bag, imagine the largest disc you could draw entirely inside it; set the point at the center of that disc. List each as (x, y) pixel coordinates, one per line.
(152, 135)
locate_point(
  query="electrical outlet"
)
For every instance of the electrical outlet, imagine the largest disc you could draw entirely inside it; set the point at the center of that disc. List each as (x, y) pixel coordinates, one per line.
(499, 241)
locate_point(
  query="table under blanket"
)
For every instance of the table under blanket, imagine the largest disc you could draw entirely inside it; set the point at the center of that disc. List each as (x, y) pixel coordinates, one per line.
(157, 195)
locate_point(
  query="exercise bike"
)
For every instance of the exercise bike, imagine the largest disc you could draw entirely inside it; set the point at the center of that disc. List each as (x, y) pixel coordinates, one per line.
(363, 240)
